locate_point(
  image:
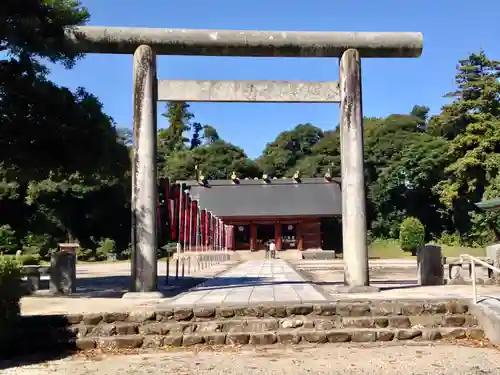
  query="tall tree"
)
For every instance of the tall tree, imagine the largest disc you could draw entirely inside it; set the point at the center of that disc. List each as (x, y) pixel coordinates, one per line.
(196, 137)
(173, 137)
(210, 134)
(324, 157)
(179, 117)
(57, 147)
(281, 156)
(215, 161)
(472, 123)
(34, 29)
(421, 112)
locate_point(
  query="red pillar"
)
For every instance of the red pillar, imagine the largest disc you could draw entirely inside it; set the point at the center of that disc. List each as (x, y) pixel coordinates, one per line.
(253, 236)
(232, 233)
(277, 235)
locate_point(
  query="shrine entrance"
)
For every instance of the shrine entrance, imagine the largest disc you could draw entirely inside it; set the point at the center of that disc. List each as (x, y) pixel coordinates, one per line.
(146, 43)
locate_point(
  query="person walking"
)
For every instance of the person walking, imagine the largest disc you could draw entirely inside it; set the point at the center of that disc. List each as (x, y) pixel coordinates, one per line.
(272, 249)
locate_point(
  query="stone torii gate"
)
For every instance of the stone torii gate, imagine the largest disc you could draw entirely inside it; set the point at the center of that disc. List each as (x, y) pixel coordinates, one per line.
(146, 43)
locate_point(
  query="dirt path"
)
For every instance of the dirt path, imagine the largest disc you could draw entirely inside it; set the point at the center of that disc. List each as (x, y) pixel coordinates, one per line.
(325, 359)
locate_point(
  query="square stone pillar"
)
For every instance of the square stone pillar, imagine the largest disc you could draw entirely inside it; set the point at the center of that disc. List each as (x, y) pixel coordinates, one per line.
(63, 269)
(430, 268)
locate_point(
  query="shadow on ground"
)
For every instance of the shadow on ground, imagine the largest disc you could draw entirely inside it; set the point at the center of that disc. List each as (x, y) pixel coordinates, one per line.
(37, 339)
(117, 286)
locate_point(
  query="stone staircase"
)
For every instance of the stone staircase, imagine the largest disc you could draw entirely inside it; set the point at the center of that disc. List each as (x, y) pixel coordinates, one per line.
(332, 322)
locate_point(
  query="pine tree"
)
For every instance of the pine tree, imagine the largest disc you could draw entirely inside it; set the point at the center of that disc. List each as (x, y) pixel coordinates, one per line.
(472, 124)
(173, 137)
(196, 137)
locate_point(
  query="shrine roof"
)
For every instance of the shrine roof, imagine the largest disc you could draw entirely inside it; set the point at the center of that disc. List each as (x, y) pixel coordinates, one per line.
(274, 198)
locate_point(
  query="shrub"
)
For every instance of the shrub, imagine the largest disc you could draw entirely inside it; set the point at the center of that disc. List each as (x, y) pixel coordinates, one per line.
(106, 248)
(10, 295)
(24, 259)
(126, 253)
(450, 239)
(35, 243)
(8, 240)
(29, 259)
(84, 254)
(411, 234)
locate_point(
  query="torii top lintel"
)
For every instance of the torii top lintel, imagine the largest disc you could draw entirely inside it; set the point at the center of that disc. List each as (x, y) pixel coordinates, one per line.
(125, 40)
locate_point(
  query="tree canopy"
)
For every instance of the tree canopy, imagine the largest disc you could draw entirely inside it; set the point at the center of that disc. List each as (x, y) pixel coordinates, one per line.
(60, 154)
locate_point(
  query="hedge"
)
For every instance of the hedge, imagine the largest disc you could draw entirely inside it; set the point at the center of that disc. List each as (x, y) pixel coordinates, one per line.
(10, 295)
(24, 259)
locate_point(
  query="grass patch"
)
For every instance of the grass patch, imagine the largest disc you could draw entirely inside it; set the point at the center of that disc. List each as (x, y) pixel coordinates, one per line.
(390, 249)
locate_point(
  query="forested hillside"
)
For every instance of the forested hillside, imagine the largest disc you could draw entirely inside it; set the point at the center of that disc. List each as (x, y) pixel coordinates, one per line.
(65, 168)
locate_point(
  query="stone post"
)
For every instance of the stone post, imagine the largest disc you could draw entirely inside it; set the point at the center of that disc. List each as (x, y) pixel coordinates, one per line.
(353, 181)
(493, 252)
(430, 268)
(63, 269)
(144, 186)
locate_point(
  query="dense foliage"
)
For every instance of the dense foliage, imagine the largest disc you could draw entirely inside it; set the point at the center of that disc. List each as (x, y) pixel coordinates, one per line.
(65, 168)
(411, 234)
(10, 295)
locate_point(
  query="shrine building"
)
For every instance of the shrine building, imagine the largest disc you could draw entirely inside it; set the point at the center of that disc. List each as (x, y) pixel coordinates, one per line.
(297, 213)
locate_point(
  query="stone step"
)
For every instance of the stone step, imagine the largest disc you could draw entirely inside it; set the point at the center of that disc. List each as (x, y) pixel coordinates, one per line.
(434, 313)
(278, 337)
(351, 308)
(272, 324)
(333, 321)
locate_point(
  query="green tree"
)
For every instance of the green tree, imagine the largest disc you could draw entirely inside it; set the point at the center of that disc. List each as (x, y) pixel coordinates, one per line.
(172, 138)
(57, 147)
(34, 29)
(215, 161)
(281, 156)
(324, 157)
(8, 241)
(405, 187)
(421, 112)
(472, 123)
(210, 134)
(196, 137)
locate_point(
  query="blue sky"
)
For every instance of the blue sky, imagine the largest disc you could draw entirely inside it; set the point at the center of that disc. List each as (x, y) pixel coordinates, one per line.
(451, 28)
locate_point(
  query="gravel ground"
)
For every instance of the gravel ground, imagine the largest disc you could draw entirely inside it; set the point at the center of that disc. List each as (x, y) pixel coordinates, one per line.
(438, 359)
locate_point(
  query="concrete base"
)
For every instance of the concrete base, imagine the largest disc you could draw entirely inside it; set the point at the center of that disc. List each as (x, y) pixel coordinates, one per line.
(346, 289)
(143, 295)
(487, 312)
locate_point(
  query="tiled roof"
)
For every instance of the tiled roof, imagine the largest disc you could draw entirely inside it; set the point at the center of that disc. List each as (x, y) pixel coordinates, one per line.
(279, 197)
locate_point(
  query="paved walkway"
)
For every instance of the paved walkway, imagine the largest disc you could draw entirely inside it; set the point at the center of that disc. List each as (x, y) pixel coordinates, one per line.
(96, 301)
(254, 281)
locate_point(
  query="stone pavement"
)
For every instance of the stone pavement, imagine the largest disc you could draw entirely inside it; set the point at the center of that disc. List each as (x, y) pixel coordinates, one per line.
(254, 281)
(43, 304)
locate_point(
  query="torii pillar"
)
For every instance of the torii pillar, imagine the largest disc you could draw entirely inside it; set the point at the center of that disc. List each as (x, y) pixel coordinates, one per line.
(144, 175)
